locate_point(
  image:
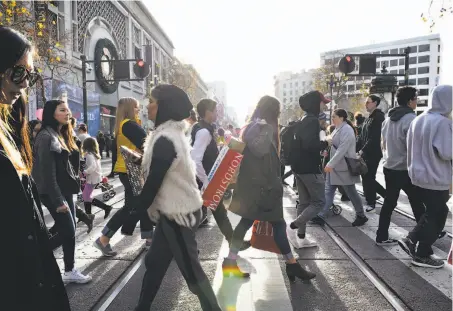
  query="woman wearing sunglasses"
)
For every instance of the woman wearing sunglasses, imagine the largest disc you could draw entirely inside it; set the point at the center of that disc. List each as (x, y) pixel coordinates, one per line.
(31, 273)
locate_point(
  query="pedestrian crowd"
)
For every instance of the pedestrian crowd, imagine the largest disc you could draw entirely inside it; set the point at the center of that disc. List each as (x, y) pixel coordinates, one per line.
(42, 164)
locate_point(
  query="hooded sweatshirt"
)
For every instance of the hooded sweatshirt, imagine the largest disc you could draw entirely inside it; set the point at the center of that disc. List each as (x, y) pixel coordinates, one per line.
(170, 188)
(394, 135)
(429, 143)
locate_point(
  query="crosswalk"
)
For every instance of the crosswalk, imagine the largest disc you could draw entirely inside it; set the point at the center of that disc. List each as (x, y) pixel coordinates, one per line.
(339, 284)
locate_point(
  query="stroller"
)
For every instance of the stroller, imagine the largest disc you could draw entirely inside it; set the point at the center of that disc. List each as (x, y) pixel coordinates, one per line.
(107, 189)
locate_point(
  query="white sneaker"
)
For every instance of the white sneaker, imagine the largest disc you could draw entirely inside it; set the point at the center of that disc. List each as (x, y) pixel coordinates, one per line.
(306, 243)
(75, 276)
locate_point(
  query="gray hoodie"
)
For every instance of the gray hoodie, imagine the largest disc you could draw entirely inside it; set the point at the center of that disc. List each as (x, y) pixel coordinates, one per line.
(394, 134)
(429, 142)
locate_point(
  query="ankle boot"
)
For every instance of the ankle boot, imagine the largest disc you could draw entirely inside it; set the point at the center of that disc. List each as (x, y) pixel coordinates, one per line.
(295, 270)
(87, 206)
(107, 208)
(230, 268)
(86, 219)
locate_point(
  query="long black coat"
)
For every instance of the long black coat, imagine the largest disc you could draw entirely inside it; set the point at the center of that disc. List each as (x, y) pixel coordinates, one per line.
(31, 277)
(259, 191)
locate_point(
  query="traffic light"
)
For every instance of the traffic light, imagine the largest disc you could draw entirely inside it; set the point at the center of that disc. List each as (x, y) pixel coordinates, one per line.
(141, 69)
(346, 64)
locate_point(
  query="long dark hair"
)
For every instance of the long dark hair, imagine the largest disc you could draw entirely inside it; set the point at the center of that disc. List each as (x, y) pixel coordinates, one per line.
(91, 145)
(65, 132)
(341, 113)
(268, 108)
(14, 118)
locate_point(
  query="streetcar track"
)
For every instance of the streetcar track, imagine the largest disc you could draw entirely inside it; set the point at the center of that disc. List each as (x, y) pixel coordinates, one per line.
(401, 212)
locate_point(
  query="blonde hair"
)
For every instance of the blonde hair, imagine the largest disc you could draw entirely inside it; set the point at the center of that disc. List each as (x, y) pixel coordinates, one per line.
(11, 151)
(124, 111)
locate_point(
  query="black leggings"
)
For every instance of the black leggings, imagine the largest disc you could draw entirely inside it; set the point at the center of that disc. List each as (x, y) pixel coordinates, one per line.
(127, 218)
(174, 241)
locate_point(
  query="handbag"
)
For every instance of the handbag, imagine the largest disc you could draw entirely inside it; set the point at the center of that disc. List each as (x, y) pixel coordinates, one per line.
(356, 166)
(263, 237)
(133, 168)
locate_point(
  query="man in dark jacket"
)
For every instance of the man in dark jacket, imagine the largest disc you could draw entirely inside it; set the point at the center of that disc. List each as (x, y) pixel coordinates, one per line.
(394, 145)
(307, 164)
(370, 151)
(204, 154)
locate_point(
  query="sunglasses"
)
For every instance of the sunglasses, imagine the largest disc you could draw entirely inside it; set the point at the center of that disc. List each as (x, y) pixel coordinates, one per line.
(20, 73)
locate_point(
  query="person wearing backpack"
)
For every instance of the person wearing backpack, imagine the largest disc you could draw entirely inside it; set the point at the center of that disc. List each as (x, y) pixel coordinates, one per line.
(304, 158)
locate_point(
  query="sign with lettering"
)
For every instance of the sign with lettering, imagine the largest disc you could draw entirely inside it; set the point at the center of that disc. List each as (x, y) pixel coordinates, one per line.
(223, 173)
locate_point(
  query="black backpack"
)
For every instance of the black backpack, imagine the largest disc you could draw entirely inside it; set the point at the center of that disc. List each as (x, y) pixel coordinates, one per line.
(287, 142)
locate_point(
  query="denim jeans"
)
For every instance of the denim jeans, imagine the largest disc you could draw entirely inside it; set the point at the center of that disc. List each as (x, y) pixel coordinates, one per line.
(65, 224)
(280, 237)
(351, 192)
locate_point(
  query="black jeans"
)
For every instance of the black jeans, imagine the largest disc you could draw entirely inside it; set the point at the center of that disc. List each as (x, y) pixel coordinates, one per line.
(280, 237)
(174, 241)
(370, 185)
(65, 224)
(432, 221)
(127, 218)
(396, 181)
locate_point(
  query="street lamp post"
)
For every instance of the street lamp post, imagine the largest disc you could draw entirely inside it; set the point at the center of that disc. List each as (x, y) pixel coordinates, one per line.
(331, 83)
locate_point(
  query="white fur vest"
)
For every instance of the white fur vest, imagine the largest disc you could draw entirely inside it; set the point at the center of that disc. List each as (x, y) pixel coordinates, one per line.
(179, 193)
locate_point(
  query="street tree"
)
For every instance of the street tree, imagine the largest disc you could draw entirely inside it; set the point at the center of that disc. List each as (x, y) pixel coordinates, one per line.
(328, 74)
(183, 76)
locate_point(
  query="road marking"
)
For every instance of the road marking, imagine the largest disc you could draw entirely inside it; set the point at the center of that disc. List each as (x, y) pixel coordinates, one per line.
(439, 278)
(266, 283)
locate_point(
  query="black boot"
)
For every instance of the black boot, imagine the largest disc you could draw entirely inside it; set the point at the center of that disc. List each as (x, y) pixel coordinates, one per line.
(107, 208)
(230, 268)
(86, 219)
(87, 207)
(294, 270)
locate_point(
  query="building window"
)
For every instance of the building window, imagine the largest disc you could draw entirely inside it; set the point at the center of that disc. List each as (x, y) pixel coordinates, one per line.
(291, 92)
(401, 71)
(423, 81)
(412, 60)
(438, 59)
(401, 61)
(413, 49)
(438, 48)
(438, 70)
(385, 52)
(423, 92)
(350, 88)
(393, 72)
(422, 103)
(412, 71)
(291, 85)
(378, 52)
(284, 85)
(284, 93)
(385, 63)
(423, 48)
(296, 84)
(75, 27)
(422, 70)
(393, 62)
(402, 50)
(423, 59)
(394, 51)
(412, 82)
(378, 64)
(284, 100)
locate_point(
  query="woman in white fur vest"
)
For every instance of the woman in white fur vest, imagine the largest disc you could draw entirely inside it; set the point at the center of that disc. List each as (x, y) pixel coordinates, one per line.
(171, 198)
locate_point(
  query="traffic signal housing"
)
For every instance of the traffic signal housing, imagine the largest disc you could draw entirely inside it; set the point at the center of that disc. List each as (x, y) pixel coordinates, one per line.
(346, 64)
(141, 69)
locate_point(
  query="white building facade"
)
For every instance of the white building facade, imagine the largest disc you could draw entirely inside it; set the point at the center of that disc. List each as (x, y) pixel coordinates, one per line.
(121, 29)
(424, 63)
(289, 86)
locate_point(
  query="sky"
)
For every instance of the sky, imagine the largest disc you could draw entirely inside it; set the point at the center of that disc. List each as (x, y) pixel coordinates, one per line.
(246, 42)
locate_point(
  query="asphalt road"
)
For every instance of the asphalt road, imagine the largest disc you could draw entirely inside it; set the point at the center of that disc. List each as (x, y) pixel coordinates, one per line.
(340, 285)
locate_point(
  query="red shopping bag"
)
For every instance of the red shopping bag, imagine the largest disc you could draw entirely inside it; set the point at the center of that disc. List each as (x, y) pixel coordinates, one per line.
(263, 237)
(450, 254)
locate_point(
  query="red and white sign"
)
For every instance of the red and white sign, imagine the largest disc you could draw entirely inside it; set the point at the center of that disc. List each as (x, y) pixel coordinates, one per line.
(222, 174)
